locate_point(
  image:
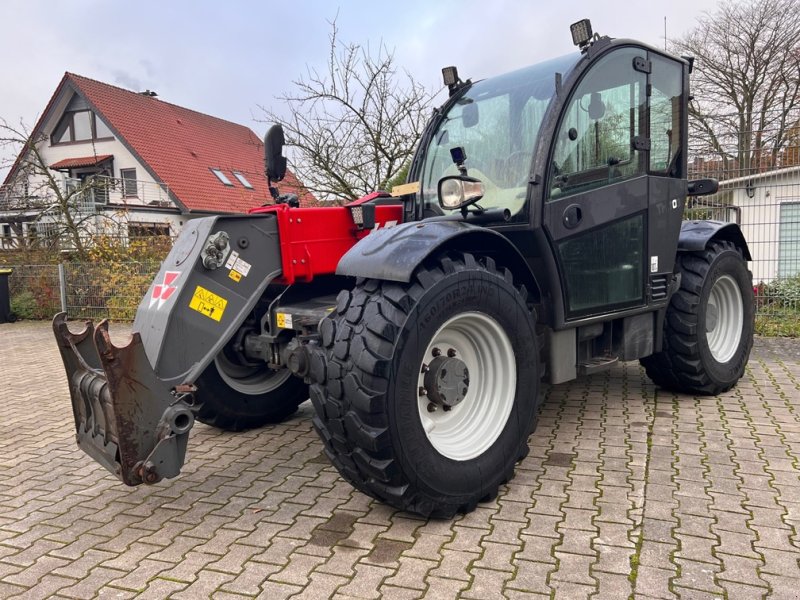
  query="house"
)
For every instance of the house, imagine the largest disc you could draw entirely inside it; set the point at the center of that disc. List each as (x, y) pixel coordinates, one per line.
(142, 166)
(767, 207)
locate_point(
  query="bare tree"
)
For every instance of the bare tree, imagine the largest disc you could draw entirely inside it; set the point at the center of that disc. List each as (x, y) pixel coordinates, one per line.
(352, 127)
(746, 83)
(36, 195)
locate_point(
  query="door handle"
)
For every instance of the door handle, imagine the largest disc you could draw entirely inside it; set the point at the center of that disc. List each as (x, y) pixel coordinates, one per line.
(572, 216)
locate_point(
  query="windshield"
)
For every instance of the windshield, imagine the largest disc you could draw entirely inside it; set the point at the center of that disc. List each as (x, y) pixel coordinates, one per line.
(497, 122)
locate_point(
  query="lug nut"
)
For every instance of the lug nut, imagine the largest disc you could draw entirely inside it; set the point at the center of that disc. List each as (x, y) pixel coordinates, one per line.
(436, 352)
(447, 408)
(423, 391)
(451, 352)
(424, 368)
(431, 407)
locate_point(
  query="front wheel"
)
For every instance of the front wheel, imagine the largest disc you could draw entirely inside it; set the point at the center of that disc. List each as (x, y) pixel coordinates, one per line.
(234, 396)
(708, 332)
(431, 387)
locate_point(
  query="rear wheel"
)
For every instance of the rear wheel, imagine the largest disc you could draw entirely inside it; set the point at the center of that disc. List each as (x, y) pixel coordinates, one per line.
(234, 395)
(431, 387)
(708, 332)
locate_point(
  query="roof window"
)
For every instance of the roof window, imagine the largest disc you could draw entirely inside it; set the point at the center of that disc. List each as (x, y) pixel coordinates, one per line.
(243, 180)
(222, 177)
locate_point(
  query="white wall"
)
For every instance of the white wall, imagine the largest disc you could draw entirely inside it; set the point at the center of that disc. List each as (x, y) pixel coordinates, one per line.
(760, 220)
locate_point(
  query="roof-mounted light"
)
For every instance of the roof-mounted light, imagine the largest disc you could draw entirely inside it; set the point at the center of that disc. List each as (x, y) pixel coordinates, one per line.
(581, 33)
(451, 79)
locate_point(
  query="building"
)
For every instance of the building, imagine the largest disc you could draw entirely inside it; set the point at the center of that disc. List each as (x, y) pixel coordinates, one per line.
(767, 207)
(130, 164)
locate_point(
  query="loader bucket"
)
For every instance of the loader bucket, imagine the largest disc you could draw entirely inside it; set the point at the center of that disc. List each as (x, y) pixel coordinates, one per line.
(126, 418)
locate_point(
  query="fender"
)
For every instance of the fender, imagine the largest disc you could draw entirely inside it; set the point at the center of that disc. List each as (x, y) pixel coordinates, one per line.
(394, 253)
(695, 236)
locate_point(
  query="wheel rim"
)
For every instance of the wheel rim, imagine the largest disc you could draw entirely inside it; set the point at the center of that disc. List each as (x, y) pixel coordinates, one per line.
(724, 318)
(251, 380)
(469, 428)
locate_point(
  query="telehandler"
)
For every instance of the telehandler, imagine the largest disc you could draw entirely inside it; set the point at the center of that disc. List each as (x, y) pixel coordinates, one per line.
(540, 237)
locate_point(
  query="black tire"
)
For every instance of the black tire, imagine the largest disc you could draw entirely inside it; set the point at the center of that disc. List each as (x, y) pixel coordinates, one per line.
(235, 399)
(368, 411)
(686, 363)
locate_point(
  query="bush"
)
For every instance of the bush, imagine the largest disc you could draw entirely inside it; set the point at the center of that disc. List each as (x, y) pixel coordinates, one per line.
(24, 306)
(778, 294)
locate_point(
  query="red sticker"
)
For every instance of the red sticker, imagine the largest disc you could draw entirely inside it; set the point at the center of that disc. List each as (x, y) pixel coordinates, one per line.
(164, 290)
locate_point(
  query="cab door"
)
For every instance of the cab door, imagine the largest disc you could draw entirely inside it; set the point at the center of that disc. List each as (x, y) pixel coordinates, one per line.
(596, 196)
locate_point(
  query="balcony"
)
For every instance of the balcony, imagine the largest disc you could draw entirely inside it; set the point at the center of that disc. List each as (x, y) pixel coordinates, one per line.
(86, 196)
(118, 192)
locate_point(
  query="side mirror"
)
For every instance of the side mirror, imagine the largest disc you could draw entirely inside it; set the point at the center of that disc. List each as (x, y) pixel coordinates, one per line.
(702, 187)
(459, 191)
(273, 153)
(469, 115)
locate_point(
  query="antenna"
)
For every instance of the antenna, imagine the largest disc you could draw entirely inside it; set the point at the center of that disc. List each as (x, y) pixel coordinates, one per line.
(665, 33)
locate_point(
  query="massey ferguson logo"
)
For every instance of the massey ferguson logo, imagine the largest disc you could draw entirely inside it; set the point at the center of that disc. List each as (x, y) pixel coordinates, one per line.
(163, 291)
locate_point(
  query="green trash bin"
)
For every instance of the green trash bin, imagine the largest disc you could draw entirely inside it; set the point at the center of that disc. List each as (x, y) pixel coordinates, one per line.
(5, 297)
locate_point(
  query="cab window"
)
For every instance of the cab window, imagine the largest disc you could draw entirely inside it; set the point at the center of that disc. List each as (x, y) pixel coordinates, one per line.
(666, 119)
(595, 139)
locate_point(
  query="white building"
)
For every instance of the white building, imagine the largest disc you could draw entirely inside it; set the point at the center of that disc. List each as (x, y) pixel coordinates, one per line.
(152, 165)
(767, 207)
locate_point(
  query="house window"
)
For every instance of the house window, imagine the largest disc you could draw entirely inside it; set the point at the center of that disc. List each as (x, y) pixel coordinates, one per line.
(129, 187)
(140, 230)
(222, 177)
(80, 126)
(5, 230)
(243, 180)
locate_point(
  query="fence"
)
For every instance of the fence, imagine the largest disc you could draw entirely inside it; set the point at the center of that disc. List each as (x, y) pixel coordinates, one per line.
(96, 290)
(765, 205)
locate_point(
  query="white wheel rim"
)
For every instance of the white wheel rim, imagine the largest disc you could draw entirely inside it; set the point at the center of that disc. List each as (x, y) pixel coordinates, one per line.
(253, 381)
(724, 318)
(470, 427)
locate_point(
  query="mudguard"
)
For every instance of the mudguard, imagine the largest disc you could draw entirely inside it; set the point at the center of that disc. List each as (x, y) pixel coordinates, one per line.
(394, 253)
(695, 235)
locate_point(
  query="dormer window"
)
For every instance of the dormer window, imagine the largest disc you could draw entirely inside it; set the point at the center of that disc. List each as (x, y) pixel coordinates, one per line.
(80, 126)
(243, 180)
(222, 177)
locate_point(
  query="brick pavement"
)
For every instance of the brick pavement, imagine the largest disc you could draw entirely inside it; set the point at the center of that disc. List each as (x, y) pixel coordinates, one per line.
(627, 491)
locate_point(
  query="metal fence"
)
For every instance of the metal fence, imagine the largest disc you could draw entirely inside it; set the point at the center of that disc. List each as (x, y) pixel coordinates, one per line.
(97, 290)
(766, 205)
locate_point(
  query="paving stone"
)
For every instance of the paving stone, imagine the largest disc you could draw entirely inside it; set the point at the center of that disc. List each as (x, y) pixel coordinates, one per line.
(698, 494)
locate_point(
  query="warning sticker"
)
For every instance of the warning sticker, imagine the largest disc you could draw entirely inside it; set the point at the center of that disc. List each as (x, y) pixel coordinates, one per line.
(235, 275)
(231, 260)
(242, 266)
(207, 302)
(284, 320)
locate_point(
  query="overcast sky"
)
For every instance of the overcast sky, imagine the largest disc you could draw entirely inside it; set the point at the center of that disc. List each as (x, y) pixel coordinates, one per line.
(227, 58)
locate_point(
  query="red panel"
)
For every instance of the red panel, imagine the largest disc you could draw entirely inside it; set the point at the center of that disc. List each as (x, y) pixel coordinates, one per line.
(314, 239)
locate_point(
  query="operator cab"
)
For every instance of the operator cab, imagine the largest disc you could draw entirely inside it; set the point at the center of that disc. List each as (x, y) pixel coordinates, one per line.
(585, 158)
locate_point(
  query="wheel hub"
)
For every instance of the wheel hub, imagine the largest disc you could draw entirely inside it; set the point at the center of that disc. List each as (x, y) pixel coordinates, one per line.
(446, 381)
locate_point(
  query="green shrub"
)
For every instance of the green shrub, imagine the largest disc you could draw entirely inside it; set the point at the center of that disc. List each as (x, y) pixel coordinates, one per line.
(24, 306)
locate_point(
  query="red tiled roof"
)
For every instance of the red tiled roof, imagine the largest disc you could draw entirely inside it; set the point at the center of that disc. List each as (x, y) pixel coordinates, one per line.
(181, 146)
(83, 161)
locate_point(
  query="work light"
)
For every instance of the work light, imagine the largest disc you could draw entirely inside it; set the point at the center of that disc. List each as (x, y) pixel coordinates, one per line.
(581, 32)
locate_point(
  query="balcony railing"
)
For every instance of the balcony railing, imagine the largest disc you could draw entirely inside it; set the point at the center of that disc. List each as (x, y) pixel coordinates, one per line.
(91, 195)
(102, 190)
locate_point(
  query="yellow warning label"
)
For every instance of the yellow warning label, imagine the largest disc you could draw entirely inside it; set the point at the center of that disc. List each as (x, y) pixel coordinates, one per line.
(283, 320)
(235, 275)
(208, 303)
